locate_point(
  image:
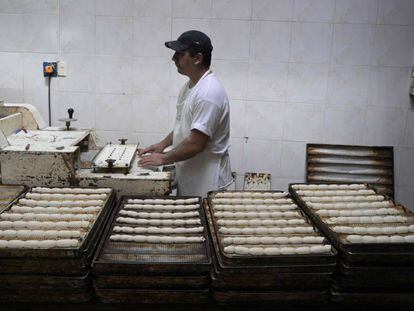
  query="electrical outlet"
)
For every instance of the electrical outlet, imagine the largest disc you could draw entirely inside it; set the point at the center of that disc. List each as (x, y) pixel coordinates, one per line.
(50, 69)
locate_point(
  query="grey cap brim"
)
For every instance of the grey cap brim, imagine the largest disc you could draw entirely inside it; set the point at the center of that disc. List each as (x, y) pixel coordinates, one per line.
(176, 46)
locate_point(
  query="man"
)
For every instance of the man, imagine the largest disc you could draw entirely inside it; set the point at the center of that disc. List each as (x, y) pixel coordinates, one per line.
(200, 138)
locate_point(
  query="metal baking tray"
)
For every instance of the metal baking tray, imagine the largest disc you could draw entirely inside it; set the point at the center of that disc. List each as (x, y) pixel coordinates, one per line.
(152, 281)
(263, 260)
(149, 258)
(9, 194)
(266, 297)
(232, 269)
(394, 259)
(34, 282)
(351, 164)
(380, 298)
(58, 261)
(344, 246)
(45, 296)
(152, 296)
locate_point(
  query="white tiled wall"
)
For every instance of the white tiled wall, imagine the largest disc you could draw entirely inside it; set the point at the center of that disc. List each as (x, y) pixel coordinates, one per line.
(296, 71)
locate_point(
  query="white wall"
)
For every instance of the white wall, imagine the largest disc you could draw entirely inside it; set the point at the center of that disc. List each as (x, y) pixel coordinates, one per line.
(297, 72)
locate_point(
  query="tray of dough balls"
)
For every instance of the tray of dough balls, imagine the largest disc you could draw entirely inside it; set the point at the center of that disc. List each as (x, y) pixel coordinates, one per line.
(356, 218)
(48, 223)
(155, 235)
(265, 227)
(8, 194)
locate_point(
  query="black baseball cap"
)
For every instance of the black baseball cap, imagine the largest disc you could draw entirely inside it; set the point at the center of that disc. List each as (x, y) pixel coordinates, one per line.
(191, 39)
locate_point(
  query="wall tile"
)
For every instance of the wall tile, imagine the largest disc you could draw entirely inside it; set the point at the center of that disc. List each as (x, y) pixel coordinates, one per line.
(400, 12)
(394, 45)
(232, 43)
(40, 6)
(237, 9)
(282, 183)
(114, 35)
(262, 156)
(180, 25)
(267, 81)
(356, 11)
(113, 112)
(150, 114)
(344, 124)
(153, 8)
(388, 87)
(11, 6)
(191, 8)
(236, 153)
(304, 122)
(33, 71)
(264, 120)
(11, 95)
(77, 34)
(39, 99)
(237, 118)
(270, 41)
(80, 73)
(77, 7)
(103, 137)
(11, 71)
(385, 126)
(150, 33)
(293, 160)
(113, 74)
(233, 76)
(314, 10)
(353, 44)
(407, 167)
(11, 32)
(281, 10)
(82, 103)
(311, 42)
(40, 33)
(115, 7)
(405, 196)
(348, 85)
(151, 76)
(409, 137)
(307, 83)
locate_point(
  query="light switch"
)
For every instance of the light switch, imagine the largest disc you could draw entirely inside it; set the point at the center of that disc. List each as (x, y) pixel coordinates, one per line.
(62, 70)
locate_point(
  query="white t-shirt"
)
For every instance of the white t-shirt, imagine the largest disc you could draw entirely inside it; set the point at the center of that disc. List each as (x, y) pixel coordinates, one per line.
(207, 110)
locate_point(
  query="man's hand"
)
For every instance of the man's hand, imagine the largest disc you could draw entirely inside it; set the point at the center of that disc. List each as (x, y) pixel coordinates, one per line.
(158, 148)
(154, 159)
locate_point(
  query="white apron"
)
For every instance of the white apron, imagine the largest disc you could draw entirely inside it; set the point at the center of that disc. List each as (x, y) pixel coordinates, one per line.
(199, 174)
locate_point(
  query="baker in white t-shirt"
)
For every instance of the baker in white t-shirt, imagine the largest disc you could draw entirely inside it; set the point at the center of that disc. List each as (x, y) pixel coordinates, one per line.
(200, 138)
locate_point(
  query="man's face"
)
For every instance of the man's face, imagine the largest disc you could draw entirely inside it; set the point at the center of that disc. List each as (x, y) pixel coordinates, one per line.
(184, 62)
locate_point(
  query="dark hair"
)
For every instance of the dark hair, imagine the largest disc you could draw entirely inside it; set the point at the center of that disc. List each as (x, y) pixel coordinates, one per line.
(206, 55)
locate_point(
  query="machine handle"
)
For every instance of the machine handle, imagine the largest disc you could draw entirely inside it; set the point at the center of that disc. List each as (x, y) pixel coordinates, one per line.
(70, 112)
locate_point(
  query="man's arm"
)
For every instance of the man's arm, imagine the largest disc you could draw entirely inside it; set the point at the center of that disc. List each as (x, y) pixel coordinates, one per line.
(158, 147)
(188, 148)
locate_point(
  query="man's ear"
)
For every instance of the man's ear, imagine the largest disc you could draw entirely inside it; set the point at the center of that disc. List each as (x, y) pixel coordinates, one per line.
(199, 58)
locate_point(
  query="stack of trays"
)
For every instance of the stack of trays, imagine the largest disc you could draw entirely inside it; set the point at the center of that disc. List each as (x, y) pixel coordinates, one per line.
(155, 251)
(266, 250)
(374, 237)
(47, 242)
